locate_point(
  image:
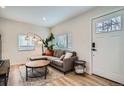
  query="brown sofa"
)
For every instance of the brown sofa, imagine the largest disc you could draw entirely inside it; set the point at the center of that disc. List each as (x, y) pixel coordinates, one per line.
(64, 65)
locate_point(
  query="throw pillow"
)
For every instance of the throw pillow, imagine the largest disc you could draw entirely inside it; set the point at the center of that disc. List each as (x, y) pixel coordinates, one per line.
(68, 55)
(62, 57)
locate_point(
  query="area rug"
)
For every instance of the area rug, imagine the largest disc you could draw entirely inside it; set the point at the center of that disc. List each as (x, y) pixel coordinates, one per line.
(40, 81)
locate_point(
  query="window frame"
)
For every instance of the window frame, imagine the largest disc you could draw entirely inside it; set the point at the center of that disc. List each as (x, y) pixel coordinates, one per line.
(28, 47)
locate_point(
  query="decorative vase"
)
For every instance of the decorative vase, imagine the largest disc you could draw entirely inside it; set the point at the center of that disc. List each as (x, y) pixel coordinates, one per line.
(49, 52)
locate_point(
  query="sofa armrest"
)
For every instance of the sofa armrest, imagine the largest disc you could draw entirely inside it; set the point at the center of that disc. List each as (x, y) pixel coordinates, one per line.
(38, 58)
(68, 63)
(70, 59)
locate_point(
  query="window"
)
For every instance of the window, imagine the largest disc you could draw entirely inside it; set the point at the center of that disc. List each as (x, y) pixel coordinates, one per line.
(109, 25)
(63, 41)
(25, 44)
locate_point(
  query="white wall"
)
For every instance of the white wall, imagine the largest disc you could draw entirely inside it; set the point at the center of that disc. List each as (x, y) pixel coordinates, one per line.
(10, 31)
(80, 27)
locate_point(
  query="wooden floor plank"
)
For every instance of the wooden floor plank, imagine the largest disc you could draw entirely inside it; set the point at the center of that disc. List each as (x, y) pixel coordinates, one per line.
(70, 79)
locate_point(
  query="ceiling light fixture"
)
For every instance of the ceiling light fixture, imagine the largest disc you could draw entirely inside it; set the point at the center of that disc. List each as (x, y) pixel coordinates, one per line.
(27, 37)
(34, 39)
(40, 42)
(44, 19)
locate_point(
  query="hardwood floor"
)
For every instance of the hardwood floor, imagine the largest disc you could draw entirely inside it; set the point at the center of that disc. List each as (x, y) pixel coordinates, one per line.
(68, 80)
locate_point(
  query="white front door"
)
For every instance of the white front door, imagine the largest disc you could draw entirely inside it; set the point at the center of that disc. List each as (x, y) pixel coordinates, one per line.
(108, 50)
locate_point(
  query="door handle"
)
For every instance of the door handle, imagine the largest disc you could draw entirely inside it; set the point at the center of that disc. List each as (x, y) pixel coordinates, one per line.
(93, 49)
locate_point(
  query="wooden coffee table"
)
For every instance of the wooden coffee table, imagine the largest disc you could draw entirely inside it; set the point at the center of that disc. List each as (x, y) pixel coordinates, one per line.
(37, 64)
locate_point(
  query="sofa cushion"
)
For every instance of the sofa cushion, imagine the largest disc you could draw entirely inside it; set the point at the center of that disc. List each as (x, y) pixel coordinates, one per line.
(52, 58)
(62, 57)
(58, 53)
(58, 62)
(68, 55)
(73, 52)
(55, 53)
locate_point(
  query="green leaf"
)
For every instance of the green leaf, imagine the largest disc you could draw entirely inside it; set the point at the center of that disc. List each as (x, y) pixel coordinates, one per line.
(47, 41)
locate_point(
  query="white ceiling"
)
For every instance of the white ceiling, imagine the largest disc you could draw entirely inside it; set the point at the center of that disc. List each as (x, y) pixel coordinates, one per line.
(34, 14)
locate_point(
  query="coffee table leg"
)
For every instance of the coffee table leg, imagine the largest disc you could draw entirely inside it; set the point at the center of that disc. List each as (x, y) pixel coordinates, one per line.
(32, 70)
(45, 71)
(26, 73)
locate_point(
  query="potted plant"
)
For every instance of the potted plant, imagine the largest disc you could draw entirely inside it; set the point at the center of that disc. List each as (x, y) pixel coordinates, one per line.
(49, 44)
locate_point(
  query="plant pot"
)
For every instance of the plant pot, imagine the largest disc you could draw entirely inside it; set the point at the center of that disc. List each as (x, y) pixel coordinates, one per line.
(48, 52)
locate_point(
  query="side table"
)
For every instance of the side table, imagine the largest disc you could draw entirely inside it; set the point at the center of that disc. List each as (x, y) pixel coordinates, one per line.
(80, 67)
